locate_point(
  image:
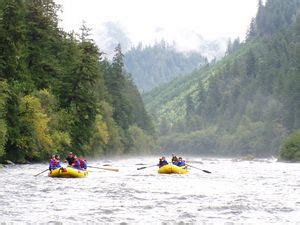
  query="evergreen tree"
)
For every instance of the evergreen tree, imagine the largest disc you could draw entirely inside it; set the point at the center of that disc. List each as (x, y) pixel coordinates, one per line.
(252, 95)
(123, 109)
(57, 94)
(81, 92)
(11, 40)
(201, 97)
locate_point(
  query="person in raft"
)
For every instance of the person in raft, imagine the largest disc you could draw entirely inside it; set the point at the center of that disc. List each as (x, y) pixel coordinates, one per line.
(162, 161)
(174, 159)
(79, 163)
(70, 158)
(54, 162)
(180, 162)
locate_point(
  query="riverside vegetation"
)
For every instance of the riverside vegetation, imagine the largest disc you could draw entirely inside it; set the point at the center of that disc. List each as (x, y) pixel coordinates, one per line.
(246, 103)
(57, 93)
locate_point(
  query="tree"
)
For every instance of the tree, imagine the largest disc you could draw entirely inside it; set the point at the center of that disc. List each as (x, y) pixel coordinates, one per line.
(56, 92)
(116, 84)
(12, 41)
(201, 97)
(250, 64)
(80, 89)
(252, 31)
(43, 42)
(189, 104)
(3, 122)
(291, 147)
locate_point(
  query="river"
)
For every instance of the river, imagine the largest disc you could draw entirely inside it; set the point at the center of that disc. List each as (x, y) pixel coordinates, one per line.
(252, 192)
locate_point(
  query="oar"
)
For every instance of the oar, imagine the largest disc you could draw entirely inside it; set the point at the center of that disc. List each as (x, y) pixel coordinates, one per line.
(205, 171)
(144, 167)
(41, 172)
(102, 168)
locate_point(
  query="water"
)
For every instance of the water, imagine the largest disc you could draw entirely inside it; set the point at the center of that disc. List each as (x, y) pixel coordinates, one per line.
(259, 192)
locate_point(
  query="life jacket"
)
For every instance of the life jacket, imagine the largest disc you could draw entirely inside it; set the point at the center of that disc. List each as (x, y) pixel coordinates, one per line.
(181, 163)
(76, 164)
(162, 163)
(54, 163)
(82, 162)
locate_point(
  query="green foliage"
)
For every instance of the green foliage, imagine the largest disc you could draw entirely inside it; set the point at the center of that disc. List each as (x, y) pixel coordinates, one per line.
(11, 40)
(291, 147)
(124, 96)
(3, 123)
(81, 95)
(273, 17)
(250, 98)
(35, 139)
(56, 92)
(158, 64)
(142, 143)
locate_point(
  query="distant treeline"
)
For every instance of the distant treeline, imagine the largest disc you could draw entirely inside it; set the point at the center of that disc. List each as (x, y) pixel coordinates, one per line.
(152, 66)
(57, 93)
(248, 102)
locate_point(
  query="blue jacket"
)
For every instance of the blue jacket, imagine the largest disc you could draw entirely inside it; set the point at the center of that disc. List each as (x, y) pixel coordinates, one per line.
(53, 164)
(80, 164)
(76, 164)
(182, 163)
(162, 163)
(84, 165)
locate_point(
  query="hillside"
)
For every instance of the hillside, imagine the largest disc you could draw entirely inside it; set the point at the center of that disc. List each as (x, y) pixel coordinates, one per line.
(58, 94)
(152, 66)
(246, 103)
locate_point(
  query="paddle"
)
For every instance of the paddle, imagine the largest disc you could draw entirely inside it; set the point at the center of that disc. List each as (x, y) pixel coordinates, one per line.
(144, 167)
(41, 172)
(205, 171)
(110, 169)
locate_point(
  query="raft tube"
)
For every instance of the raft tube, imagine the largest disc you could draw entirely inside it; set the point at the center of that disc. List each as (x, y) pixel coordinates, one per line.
(68, 172)
(170, 168)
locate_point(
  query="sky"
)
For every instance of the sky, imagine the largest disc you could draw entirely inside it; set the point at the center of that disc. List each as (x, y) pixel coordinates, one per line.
(183, 22)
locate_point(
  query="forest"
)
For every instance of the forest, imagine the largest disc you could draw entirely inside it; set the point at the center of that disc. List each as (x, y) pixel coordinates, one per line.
(152, 66)
(247, 103)
(58, 93)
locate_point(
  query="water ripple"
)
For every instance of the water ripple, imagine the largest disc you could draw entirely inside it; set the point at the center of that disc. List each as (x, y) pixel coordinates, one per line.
(258, 192)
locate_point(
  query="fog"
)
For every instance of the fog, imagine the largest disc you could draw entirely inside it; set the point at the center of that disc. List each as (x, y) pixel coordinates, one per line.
(190, 25)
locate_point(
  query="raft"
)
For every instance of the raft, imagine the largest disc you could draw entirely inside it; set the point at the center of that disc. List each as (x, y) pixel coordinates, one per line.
(68, 172)
(170, 168)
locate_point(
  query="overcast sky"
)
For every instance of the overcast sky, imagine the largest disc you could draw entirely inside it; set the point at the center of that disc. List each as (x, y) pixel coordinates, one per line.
(173, 20)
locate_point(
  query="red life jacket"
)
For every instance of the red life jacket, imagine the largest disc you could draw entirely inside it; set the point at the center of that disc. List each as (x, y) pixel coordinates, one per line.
(53, 162)
(81, 161)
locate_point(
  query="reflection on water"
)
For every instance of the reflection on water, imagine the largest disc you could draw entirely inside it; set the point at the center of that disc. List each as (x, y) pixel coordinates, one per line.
(255, 192)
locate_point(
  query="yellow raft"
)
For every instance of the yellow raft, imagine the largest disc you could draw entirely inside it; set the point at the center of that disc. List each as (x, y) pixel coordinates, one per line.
(68, 172)
(170, 168)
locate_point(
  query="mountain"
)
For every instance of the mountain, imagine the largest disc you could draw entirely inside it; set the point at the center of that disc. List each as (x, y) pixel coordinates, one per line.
(246, 103)
(57, 93)
(154, 65)
(188, 40)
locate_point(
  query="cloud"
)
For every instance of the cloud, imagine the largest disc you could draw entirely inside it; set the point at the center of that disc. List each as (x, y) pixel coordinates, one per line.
(110, 35)
(184, 21)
